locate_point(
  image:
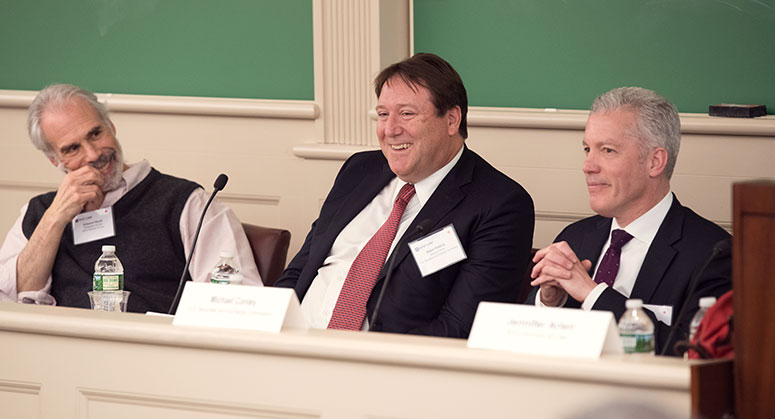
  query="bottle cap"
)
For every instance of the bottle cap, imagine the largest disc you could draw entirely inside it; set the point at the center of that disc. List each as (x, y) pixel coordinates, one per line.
(109, 248)
(634, 303)
(706, 302)
(227, 254)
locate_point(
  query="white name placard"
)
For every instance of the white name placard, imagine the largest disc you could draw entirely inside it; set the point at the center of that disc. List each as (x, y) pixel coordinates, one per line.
(544, 331)
(264, 309)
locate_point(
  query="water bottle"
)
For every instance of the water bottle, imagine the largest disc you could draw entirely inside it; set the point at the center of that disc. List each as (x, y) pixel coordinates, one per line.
(636, 329)
(705, 303)
(226, 270)
(108, 271)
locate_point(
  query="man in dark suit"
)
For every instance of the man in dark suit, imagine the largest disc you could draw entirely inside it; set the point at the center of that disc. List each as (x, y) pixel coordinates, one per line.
(423, 180)
(631, 143)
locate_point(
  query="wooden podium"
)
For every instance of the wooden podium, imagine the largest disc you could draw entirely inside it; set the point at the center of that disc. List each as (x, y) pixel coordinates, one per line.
(754, 284)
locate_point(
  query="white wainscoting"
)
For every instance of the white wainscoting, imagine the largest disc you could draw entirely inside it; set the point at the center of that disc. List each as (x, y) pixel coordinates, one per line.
(128, 366)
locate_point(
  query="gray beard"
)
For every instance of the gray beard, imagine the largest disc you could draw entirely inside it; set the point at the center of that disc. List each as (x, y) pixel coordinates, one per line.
(114, 180)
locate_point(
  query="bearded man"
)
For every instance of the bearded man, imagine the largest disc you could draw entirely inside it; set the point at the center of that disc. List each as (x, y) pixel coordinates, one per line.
(48, 257)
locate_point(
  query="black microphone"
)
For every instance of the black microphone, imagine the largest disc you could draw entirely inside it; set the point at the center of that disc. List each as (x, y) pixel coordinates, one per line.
(219, 184)
(418, 230)
(720, 248)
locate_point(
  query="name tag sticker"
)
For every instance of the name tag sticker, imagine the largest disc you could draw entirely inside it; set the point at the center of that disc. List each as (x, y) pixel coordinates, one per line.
(437, 250)
(544, 331)
(265, 309)
(93, 225)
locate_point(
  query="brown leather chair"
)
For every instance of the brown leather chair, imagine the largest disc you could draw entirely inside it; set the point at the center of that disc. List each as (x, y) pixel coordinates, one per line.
(270, 250)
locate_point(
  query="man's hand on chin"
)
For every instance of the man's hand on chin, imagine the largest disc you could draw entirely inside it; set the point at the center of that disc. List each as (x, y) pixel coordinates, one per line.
(80, 190)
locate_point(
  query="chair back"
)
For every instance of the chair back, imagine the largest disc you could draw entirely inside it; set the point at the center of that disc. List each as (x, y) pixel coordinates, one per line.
(270, 250)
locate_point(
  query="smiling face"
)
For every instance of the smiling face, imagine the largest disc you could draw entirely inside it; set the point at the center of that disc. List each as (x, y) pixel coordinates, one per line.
(622, 182)
(413, 138)
(79, 137)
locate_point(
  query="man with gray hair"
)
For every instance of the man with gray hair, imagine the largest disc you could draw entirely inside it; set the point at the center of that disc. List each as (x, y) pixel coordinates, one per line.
(46, 260)
(643, 243)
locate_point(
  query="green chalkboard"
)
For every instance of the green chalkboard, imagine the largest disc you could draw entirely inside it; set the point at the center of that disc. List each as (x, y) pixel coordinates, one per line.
(214, 48)
(564, 53)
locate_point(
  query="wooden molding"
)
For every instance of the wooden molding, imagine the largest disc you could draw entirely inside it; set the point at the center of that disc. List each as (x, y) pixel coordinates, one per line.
(255, 108)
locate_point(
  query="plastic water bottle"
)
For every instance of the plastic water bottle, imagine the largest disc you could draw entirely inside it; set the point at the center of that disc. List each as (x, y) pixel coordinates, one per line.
(108, 271)
(226, 270)
(705, 304)
(636, 329)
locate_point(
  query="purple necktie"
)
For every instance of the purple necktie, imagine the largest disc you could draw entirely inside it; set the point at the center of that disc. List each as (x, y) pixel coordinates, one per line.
(350, 308)
(609, 266)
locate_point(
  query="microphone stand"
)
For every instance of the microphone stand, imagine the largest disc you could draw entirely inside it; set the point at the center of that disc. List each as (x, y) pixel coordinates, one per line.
(423, 225)
(219, 184)
(719, 248)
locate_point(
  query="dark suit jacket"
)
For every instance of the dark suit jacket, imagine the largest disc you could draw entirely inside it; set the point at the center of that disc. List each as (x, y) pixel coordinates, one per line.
(683, 243)
(493, 217)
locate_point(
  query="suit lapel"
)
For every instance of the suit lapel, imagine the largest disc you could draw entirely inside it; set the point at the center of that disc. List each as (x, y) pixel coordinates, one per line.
(357, 189)
(593, 241)
(660, 253)
(446, 197)
(362, 193)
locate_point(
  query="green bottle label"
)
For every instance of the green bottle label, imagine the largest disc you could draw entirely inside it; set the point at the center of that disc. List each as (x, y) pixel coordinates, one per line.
(108, 282)
(219, 281)
(637, 343)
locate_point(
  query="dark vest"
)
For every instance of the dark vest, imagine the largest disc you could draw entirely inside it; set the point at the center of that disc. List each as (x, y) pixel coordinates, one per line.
(147, 240)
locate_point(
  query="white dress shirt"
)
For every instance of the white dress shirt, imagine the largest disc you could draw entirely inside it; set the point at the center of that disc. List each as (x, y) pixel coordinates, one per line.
(643, 230)
(320, 299)
(221, 231)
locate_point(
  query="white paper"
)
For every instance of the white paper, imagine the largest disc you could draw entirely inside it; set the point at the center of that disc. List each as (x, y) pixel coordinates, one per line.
(266, 309)
(662, 313)
(156, 314)
(437, 250)
(93, 225)
(544, 331)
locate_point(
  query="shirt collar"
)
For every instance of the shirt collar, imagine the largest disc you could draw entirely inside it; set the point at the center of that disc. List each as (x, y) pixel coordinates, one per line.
(425, 188)
(645, 227)
(133, 175)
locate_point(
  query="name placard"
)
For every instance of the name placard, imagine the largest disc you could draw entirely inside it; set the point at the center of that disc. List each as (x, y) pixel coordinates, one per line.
(544, 331)
(264, 309)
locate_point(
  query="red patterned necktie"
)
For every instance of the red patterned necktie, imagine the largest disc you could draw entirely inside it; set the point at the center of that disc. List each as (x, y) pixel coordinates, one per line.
(350, 309)
(609, 266)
